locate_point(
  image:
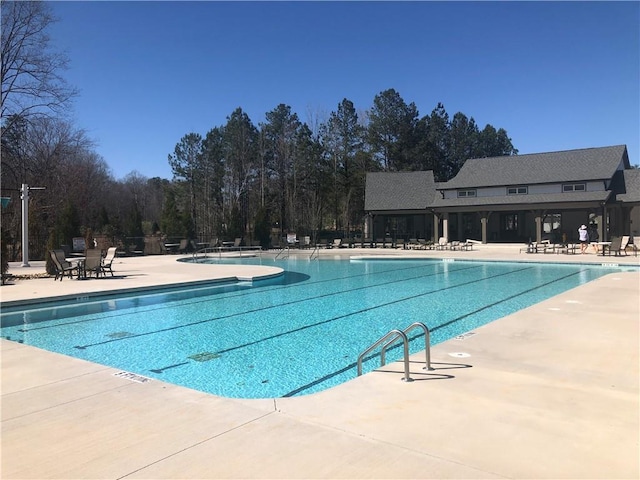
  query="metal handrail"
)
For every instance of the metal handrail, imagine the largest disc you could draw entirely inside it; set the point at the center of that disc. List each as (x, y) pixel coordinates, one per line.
(315, 251)
(427, 343)
(283, 250)
(391, 336)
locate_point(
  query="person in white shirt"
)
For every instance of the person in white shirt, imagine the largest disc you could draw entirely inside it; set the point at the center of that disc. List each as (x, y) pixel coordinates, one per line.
(583, 236)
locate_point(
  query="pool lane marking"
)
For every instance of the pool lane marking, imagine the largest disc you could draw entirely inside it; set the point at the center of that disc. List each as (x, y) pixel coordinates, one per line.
(272, 306)
(339, 317)
(457, 319)
(235, 294)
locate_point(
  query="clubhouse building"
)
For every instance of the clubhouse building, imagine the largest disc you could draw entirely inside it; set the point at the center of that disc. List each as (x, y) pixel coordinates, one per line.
(518, 198)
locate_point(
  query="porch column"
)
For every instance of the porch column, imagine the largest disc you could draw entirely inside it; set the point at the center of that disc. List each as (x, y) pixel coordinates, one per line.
(484, 219)
(460, 227)
(445, 227)
(538, 218)
(368, 227)
(436, 227)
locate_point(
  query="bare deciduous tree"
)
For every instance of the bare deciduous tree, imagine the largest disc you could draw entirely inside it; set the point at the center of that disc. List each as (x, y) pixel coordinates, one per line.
(30, 71)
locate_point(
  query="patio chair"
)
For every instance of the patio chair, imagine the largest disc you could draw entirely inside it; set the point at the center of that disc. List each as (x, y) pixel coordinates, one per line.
(184, 246)
(628, 243)
(337, 243)
(625, 244)
(107, 261)
(305, 242)
(615, 247)
(62, 266)
(93, 263)
(292, 240)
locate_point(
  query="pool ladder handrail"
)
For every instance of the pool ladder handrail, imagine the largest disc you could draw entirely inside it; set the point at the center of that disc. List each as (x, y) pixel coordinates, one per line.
(315, 252)
(390, 338)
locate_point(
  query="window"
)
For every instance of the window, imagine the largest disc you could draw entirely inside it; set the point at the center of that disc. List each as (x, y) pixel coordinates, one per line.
(466, 193)
(574, 187)
(517, 190)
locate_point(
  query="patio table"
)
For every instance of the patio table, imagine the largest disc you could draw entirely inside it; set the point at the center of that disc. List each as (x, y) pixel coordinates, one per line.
(80, 263)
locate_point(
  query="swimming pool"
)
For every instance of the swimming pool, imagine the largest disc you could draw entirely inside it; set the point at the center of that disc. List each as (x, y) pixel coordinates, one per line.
(293, 335)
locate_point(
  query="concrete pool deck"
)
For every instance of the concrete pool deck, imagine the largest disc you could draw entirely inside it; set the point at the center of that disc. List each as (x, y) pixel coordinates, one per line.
(551, 391)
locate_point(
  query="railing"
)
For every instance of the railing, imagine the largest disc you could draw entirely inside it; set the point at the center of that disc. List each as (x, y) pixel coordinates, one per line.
(427, 344)
(390, 338)
(315, 253)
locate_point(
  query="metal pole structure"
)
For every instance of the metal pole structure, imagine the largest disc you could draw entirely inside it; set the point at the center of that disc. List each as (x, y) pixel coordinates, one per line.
(25, 224)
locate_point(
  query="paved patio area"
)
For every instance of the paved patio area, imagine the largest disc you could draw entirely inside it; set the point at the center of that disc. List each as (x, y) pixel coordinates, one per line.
(551, 391)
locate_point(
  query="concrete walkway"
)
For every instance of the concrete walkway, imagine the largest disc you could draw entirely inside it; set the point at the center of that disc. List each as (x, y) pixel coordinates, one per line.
(548, 392)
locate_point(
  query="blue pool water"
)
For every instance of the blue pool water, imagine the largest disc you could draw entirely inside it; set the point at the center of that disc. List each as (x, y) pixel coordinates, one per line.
(293, 335)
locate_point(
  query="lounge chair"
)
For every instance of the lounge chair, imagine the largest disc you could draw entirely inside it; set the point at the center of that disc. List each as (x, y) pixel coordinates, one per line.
(443, 244)
(63, 267)
(107, 261)
(466, 245)
(456, 245)
(337, 243)
(568, 248)
(424, 244)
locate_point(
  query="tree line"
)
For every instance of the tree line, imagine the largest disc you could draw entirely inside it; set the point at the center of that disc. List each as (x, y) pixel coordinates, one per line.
(285, 175)
(238, 180)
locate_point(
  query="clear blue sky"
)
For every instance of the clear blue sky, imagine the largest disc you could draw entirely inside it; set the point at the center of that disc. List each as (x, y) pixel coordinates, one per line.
(555, 75)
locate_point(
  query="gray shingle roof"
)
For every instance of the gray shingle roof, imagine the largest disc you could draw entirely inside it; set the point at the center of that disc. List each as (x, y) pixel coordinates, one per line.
(627, 185)
(553, 167)
(399, 190)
